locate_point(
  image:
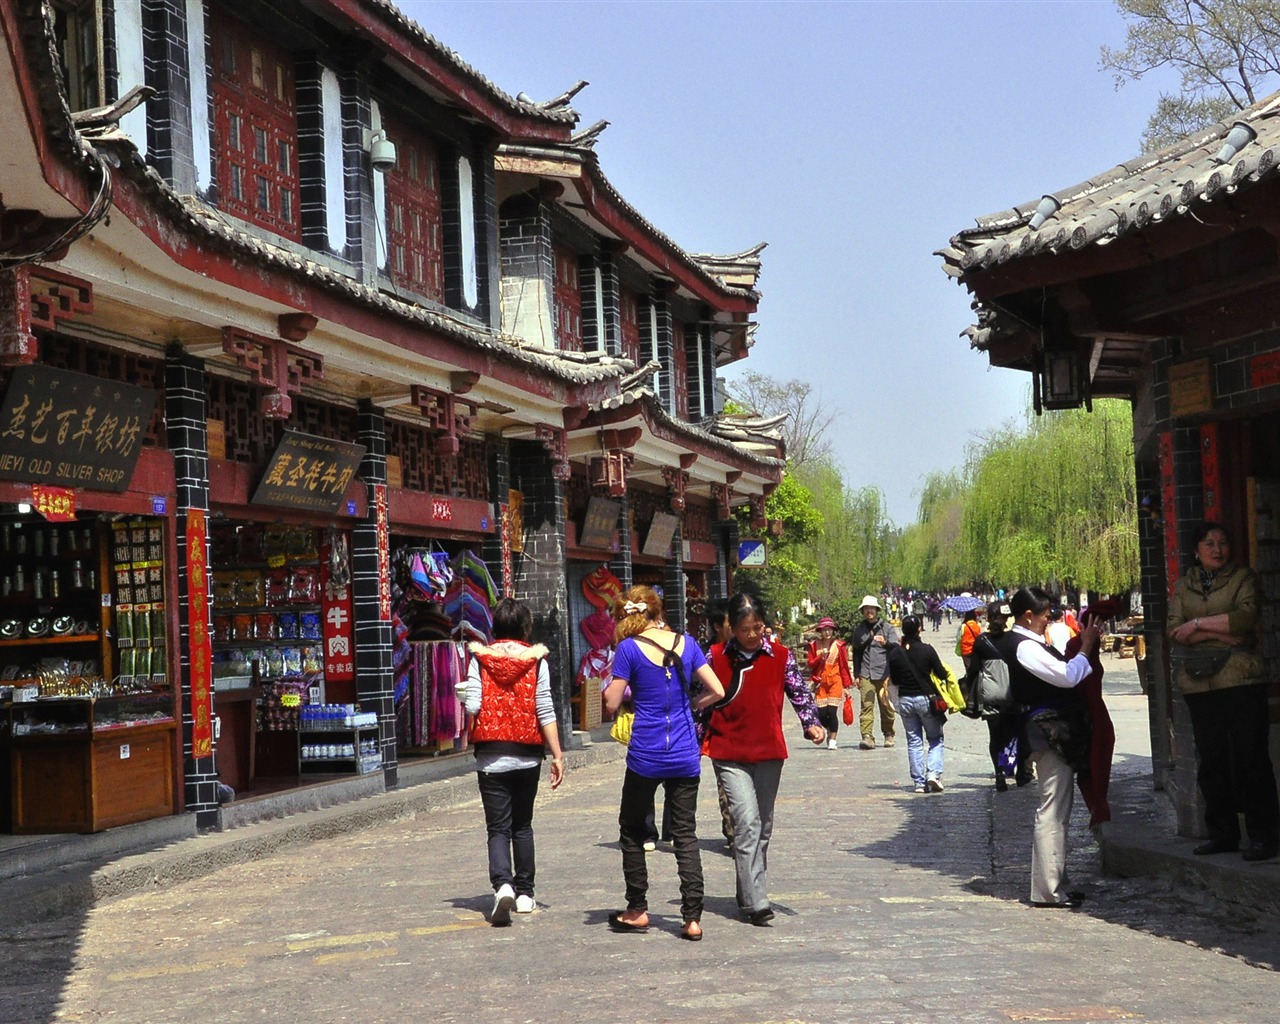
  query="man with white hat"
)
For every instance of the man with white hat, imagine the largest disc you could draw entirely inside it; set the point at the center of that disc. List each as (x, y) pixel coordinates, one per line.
(871, 641)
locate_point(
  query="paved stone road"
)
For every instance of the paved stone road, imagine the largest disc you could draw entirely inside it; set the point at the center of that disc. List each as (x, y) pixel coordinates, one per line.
(892, 907)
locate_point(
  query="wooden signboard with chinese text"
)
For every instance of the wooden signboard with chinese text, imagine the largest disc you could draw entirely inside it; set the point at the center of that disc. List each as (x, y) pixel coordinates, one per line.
(71, 429)
(1189, 389)
(309, 473)
(661, 532)
(600, 523)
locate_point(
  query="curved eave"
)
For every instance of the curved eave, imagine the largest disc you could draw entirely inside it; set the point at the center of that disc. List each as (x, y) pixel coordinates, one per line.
(611, 216)
(665, 438)
(422, 59)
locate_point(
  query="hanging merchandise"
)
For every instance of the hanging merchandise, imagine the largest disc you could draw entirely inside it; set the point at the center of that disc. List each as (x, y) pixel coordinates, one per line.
(596, 666)
(470, 597)
(601, 587)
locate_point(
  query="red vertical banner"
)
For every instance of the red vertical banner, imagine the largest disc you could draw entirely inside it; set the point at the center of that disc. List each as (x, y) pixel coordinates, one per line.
(200, 650)
(384, 551)
(1209, 471)
(337, 613)
(504, 533)
(1169, 513)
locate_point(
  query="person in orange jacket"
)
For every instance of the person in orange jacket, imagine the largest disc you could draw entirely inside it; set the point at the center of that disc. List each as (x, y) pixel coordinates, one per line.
(829, 677)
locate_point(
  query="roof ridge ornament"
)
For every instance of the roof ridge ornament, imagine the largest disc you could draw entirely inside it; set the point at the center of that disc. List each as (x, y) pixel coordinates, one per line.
(1240, 135)
(1049, 205)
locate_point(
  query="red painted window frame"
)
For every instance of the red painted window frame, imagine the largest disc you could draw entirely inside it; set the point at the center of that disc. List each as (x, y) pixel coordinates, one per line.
(679, 370)
(255, 115)
(414, 223)
(629, 324)
(567, 295)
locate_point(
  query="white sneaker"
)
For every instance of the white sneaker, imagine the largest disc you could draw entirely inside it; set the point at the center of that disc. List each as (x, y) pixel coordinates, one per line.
(503, 900)
(831, 744)
(525, 904)
(650, 846)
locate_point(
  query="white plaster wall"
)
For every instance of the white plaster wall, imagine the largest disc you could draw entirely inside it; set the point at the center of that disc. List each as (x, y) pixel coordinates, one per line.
(335, 185)
(379, 194)
(202, 151)
(132, 69)
(467, 215)
(526, 310)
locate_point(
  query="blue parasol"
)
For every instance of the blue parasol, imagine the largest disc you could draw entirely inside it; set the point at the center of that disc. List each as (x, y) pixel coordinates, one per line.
(963, 603)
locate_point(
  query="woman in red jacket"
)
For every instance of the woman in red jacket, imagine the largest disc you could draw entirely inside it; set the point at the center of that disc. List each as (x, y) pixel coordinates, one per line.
(829, 674)
(744, 741)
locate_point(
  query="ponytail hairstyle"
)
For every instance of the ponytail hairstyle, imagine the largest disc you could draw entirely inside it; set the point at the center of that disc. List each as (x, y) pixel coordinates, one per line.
(638, 609)
(910, 630)
(742, 606)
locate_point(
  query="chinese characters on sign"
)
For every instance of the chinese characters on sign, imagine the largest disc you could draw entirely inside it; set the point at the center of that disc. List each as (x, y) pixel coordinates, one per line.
(600, 523)
(56, 504)
(338, 625)
(504, 532)
(201, 653)
(309, 473)
(71, 429)
(384, 552)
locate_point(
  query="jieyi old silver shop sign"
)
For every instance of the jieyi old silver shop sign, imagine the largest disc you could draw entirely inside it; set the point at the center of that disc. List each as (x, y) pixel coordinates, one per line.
(71, 429)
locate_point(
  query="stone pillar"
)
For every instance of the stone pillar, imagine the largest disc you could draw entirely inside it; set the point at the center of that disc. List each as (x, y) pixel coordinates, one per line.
(187, 438)
(165, 59)
(498, 456)
(620, 563)
(375, 682)
(673, 583)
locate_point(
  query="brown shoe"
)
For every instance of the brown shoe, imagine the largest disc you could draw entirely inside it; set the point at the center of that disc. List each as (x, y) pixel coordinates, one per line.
(888, 741)
(867, 743)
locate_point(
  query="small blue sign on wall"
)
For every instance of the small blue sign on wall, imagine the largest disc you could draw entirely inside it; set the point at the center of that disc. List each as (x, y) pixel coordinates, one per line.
(351, 508)
(752, 554)
(159, 506)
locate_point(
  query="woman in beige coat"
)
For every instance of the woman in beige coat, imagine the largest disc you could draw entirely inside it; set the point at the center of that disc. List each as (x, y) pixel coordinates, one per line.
(1213, 623)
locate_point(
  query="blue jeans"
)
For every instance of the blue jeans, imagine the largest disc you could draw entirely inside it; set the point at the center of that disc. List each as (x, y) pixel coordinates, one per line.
(919, 723)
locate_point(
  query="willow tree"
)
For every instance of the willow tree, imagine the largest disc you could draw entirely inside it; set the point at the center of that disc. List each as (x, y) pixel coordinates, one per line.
(1057, 502)
(930, 554)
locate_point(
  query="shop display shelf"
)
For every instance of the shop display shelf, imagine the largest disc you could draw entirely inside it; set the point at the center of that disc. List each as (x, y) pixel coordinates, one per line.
(28, 641)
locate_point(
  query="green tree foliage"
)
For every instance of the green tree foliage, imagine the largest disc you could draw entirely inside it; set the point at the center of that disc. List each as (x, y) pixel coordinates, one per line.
(1055, 501)
(1226, 52)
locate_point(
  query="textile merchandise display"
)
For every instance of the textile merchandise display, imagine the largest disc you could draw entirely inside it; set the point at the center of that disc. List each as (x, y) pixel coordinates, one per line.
(601, 587)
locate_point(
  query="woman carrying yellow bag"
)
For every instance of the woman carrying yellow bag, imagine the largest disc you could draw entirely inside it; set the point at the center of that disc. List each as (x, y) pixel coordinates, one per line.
(948, 689)
(912, 668)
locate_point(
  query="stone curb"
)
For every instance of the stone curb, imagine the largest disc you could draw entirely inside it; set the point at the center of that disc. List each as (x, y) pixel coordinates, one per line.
(71, 887)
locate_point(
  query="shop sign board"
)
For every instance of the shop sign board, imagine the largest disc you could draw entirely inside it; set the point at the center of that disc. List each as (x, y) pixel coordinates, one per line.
(504, 533)
(662, 530)
(71, 429)
(200, 646)
(515, 503)
(1189, 389)
(338, 624)
(309, 473)
(600, 523)
(753, 554)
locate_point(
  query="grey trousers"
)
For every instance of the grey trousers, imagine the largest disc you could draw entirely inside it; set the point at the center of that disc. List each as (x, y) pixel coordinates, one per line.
(1057, 783)
(750, 790)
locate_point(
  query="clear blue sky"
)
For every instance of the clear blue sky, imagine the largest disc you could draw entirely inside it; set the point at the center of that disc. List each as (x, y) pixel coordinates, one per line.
(854, 138)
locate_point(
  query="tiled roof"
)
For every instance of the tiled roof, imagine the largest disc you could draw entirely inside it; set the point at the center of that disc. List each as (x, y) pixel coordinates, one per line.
(217, 230)
(635, 393)
(1174, 182)
(558, 111)
(714, 269)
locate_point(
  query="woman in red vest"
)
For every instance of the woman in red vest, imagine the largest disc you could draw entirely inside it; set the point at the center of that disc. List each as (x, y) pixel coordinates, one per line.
(509, 693)
(745, 743)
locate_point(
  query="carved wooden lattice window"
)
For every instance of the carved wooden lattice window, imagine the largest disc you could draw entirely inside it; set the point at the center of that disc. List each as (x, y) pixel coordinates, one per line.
(255, 125)
(630, 323)
(414, 251)
(252, 437)
(110, 364)
(697, 522)
(679, 370)
(568, 300)
(422, 469)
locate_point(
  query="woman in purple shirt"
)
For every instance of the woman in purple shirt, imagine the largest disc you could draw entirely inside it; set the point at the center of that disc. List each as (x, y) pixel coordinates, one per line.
(661, 668)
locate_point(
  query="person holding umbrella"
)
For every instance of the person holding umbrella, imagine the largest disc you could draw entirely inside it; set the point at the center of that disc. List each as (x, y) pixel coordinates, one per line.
(871, 641)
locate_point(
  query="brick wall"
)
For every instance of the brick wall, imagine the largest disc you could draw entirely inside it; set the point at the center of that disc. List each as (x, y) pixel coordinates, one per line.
(187, 439)
(620, 563)
(528, 270)
(169, 141)
(673, 583)
(540, 570)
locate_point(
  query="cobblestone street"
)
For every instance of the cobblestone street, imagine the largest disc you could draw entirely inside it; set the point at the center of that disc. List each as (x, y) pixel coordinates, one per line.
(892, 907)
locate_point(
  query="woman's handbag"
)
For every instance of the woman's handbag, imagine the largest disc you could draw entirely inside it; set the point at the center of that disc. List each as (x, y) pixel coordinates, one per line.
(1197, 661)
(847, 713)
(937, 705)
(622, 723)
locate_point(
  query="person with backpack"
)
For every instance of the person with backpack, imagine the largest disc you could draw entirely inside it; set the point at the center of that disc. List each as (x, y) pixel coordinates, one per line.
(1008, 752)
(745, 742)
(659, 665)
